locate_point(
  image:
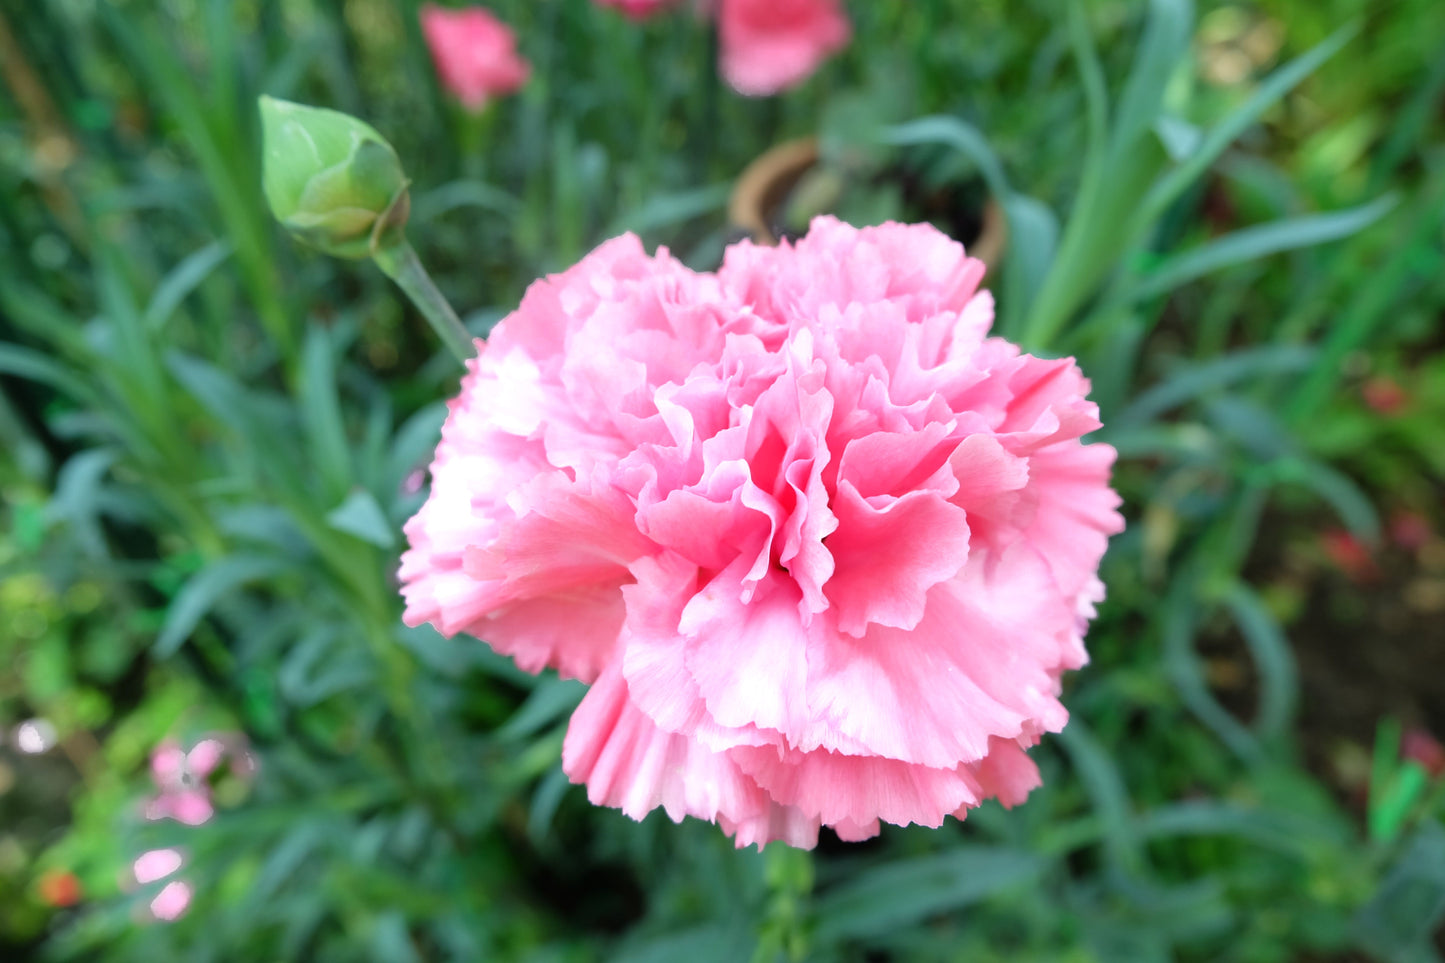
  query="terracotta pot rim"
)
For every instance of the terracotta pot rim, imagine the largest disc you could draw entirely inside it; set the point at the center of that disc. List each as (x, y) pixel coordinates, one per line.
(765, 182)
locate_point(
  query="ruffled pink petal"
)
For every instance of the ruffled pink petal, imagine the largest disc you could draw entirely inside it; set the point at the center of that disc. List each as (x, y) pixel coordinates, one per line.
(976, 666)
(628, 763)
(889, 557)
(852, 791)
(1006, 774)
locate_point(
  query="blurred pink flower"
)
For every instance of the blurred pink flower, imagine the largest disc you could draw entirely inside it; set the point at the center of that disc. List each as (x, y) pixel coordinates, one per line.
(822, 547)
(1419, 745)
(474, 52)
(771, 45)
(185, 794)
(1410, 530)
(638, 9)
(173, 900)
(156, 864)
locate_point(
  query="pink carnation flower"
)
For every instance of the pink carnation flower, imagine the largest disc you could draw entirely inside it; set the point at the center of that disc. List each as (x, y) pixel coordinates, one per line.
(474, 52)
(771, 45)
(637, 9)
(821, 546)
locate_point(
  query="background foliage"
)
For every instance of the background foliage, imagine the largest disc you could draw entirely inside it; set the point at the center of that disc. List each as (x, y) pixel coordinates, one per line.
(1234, 216)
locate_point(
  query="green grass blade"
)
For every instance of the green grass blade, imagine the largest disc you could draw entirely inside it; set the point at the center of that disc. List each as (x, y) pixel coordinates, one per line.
(182, 280)
(1252, 243)
(878, 901)
(1273, 657)
(204, 589)
(1279, 83)
(1193, 381)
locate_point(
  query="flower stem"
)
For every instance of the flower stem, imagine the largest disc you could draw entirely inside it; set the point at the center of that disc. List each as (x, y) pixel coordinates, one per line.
(399, 262)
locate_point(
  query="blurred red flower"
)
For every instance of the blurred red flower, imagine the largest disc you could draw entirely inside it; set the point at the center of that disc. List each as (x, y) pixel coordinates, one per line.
(1350, 555)
(59, 888)
(1384, 395)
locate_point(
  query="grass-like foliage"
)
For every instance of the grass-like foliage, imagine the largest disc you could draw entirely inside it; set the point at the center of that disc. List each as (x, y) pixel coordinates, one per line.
(210, 437)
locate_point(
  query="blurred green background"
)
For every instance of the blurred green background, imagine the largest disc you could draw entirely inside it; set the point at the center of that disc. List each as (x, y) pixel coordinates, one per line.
(1233, 214)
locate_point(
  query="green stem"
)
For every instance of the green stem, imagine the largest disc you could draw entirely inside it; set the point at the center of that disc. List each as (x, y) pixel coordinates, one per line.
(399, 262)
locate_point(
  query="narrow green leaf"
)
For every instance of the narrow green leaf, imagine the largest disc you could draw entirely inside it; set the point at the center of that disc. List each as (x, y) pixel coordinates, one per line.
(667, 210)
(1192, 381)
(285, 859)
(413, 442)
(1349, 501)
(77, 490)
(321, 413)
(361, 515)
(1182, 664)
(879, 901)
(34, 366)
(459, 194)
(1108, 795)
(223, 397)
(1091, 72)
(1408, 906)
(709, 943)
(1256, 428)
(1033, 237)
(546, 798)
(1389, 813)
(391, 940)
(204, 589)
(549, 701)
(1162, 49)
(1287, 832)
(1384, 759)
(184, 278)
(1279, 677)
(958, 134)
(1252, 243)
(1369, 303)
(1279, 83)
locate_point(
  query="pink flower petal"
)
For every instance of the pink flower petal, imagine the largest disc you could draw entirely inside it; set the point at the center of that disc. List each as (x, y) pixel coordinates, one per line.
(628, 762)
(156, 864)
(172, 901)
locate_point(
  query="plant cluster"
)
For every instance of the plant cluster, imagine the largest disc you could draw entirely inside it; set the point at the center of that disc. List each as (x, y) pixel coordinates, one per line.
(221, 742)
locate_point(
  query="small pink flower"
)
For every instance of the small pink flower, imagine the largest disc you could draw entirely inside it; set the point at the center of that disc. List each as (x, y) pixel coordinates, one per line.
(474, 52)
(185, 794)
(822, 547)
(173, 900)
(771, 45)
(156, 864)
(637, 9)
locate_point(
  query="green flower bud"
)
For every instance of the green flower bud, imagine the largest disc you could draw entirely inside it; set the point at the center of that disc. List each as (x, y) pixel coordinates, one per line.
(332, 180)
